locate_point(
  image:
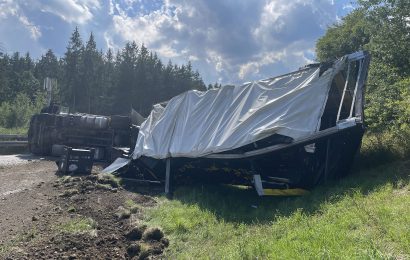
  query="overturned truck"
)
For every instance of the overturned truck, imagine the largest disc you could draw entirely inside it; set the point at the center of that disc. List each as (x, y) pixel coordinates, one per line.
(281, 135)
(109, 136)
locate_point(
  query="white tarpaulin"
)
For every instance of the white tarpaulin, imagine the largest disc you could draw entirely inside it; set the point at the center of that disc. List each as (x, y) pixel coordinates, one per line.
(196, 123)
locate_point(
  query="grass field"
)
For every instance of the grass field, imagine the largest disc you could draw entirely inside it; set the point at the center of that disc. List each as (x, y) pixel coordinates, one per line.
(364, 216)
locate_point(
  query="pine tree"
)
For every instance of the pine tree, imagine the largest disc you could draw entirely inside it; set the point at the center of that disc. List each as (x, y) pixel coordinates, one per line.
(5, 91)
(125, 92)
(73, 91)
(94, 82)
(47, 66)
(92, 74)
(108, 84)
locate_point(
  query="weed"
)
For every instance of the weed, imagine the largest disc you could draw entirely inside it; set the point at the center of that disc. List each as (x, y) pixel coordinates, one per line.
(109, 179)
(132, 206)
(69, 192)
(23, 237)
(384, 147)
(123, 213)
(65, 179)
(145, 251)
(103, 186)
(78, 226)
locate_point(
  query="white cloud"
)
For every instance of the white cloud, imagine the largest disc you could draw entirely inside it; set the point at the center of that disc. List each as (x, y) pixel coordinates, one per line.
(231, 40)
(34, 30)
(71, 11)
(167, 51)
(264, 59)
(10, 10)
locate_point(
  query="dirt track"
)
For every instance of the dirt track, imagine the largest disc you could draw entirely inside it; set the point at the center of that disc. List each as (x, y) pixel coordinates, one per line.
(21, 192)
(38, 208)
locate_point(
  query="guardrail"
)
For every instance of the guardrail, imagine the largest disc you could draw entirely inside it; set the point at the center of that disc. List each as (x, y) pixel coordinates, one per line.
(13, 140)
(11, 137)
(13, 143)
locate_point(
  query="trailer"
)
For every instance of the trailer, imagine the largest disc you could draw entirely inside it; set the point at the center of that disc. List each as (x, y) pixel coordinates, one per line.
(282, 135)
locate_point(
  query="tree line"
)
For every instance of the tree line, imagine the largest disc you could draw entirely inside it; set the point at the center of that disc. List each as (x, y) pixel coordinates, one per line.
(93, 81)
(381, 27)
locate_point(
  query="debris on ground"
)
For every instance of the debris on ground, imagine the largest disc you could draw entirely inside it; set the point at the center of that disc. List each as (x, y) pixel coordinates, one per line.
(77, 219)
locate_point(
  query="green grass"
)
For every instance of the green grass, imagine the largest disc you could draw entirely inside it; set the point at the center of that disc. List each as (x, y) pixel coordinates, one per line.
(109, 179)
(17, 131)
(25, 237)
(71, 209)
(364, 216)
(384, 147)
(132, 206)
(77, 226)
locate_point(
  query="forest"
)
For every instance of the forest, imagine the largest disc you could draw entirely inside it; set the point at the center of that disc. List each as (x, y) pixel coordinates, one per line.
(90, 81)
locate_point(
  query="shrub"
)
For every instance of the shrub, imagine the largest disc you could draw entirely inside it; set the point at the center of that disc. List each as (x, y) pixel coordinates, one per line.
(17, 113)
(388, 119)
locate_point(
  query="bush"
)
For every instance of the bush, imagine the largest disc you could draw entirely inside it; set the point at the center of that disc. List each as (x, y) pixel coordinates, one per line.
(17, 113)
(387, 146)
(388, 119)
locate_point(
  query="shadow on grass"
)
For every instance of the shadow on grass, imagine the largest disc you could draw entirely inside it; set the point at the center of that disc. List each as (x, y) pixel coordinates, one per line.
(240, 205)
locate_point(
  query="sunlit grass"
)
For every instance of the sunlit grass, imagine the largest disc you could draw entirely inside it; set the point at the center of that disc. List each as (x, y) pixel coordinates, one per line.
(17, 131)
(77, 226)
(364, 216)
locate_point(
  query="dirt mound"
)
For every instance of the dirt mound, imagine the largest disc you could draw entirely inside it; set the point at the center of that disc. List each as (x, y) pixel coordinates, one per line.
(135, 233)
(153, 234)
(90, 222)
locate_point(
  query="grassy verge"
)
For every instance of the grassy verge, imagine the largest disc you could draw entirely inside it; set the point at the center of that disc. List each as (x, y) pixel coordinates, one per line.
(17, 131)
(364, 216)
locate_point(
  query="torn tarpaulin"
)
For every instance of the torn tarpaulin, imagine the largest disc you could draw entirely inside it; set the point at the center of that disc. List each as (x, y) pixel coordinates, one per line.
(195, 123)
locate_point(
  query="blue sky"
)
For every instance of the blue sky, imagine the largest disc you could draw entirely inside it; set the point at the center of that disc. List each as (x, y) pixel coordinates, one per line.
(228, 41)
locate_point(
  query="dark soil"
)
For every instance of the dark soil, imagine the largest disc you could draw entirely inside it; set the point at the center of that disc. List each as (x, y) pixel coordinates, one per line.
(44, 234)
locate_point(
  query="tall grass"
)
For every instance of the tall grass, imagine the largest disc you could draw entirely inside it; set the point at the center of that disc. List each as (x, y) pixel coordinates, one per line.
(384, 147)
(364, 216)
